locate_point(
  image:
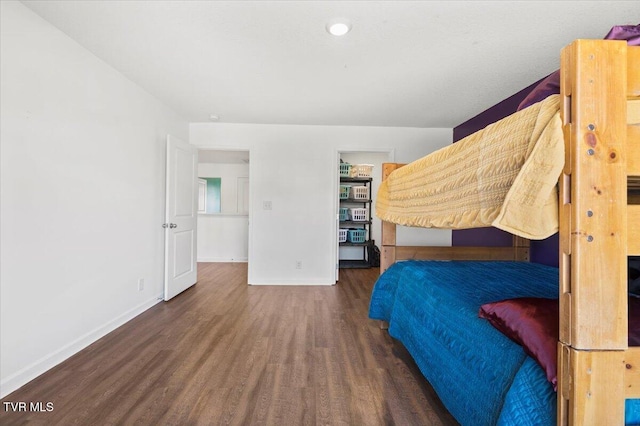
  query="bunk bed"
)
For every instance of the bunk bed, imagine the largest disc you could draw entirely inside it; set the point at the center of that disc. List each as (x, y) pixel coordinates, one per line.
(466, 313)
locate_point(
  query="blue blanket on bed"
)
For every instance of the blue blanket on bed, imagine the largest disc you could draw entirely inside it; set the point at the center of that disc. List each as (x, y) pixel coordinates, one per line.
(481, 376)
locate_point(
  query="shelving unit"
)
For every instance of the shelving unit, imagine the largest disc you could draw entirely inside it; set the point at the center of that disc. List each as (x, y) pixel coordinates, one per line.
(362, 203)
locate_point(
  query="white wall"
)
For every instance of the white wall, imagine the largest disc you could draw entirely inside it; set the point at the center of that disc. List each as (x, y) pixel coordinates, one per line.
(82, 196)
(296, 169)
(224, 237)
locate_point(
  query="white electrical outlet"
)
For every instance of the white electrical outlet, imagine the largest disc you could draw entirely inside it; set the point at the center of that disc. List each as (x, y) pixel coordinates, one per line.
(140, 284)
(298, 264)
(266, 205)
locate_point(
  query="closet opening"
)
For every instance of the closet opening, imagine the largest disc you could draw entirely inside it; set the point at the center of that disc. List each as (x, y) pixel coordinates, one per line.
(358, 229)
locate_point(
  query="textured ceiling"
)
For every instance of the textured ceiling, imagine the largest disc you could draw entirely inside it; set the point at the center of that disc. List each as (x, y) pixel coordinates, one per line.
(413, 64)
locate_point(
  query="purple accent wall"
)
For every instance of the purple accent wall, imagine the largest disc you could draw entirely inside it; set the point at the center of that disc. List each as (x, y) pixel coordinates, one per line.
(483, 237)
(545, 251)
(500, 110)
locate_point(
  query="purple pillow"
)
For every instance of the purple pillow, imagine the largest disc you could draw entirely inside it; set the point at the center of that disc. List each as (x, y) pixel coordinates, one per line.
(551, 84)
(532, 322)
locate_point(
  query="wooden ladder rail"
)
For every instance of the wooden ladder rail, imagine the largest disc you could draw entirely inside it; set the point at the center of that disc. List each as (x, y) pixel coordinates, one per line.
(596, 369)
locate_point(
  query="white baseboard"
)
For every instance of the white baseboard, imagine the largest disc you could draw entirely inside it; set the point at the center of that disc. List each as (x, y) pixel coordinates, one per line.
(222, 259)
(294, 282)
(30, 372)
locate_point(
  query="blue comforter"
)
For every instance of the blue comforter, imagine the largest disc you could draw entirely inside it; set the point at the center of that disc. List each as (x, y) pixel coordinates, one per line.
(481, 376)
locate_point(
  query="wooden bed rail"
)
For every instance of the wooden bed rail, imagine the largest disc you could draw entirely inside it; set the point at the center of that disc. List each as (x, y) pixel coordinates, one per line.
(596, 369)
(609, 376)
(390, 252)
(631, 363)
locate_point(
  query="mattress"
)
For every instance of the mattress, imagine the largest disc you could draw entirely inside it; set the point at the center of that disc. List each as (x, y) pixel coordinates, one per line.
(481, 376)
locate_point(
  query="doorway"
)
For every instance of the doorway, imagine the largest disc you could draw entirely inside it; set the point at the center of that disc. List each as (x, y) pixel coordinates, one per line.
(223, 231)
(348, 253)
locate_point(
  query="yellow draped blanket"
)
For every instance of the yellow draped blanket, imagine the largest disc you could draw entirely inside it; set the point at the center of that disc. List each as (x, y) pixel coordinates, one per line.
(504, 175)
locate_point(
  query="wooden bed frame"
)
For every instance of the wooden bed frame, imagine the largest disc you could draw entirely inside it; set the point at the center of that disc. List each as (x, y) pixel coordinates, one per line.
(599, 228)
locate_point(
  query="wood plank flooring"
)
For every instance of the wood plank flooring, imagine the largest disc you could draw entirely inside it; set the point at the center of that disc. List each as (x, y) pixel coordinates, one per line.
(224, 352)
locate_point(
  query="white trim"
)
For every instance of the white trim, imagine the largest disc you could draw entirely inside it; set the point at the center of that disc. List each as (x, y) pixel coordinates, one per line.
(223, 215)
(294, 282)
(357, 150)
(208, 147)
(30, 372)
(223, 260)
(335, 250)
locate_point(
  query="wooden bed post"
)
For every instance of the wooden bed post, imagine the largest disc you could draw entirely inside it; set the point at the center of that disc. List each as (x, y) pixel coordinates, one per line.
(593, 234)
(388, 232)
(521, 248)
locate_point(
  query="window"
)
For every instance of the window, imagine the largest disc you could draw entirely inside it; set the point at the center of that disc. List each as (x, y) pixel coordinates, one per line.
(209, 195)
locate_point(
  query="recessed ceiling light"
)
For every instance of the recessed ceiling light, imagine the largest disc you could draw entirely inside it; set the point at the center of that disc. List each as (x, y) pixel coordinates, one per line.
(214, 117)
(338, 27)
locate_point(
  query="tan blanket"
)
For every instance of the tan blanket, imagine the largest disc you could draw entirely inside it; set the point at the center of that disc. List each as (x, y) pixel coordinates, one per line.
(504, 176)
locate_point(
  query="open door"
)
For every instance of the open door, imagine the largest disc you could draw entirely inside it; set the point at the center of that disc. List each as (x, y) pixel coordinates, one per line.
(181, 217)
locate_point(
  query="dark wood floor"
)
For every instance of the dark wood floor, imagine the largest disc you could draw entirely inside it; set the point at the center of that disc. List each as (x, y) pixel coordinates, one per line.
(227, 353)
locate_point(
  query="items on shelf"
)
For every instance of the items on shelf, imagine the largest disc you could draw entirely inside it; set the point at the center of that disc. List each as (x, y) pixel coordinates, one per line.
(344, 191)
(355, 213)
(359, 214)
(357, 236)
(345, 170)
(356, 170)
(361, 170)
(359, 192)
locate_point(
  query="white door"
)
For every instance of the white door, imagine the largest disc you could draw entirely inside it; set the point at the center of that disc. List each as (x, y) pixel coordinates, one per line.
(181, 216)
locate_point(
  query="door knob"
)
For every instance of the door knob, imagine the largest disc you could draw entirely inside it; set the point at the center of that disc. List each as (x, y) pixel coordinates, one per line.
(173, 225)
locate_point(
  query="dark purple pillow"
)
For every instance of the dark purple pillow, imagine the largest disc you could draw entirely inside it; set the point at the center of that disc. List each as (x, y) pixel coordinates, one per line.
(551, 84)
(532, 322)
